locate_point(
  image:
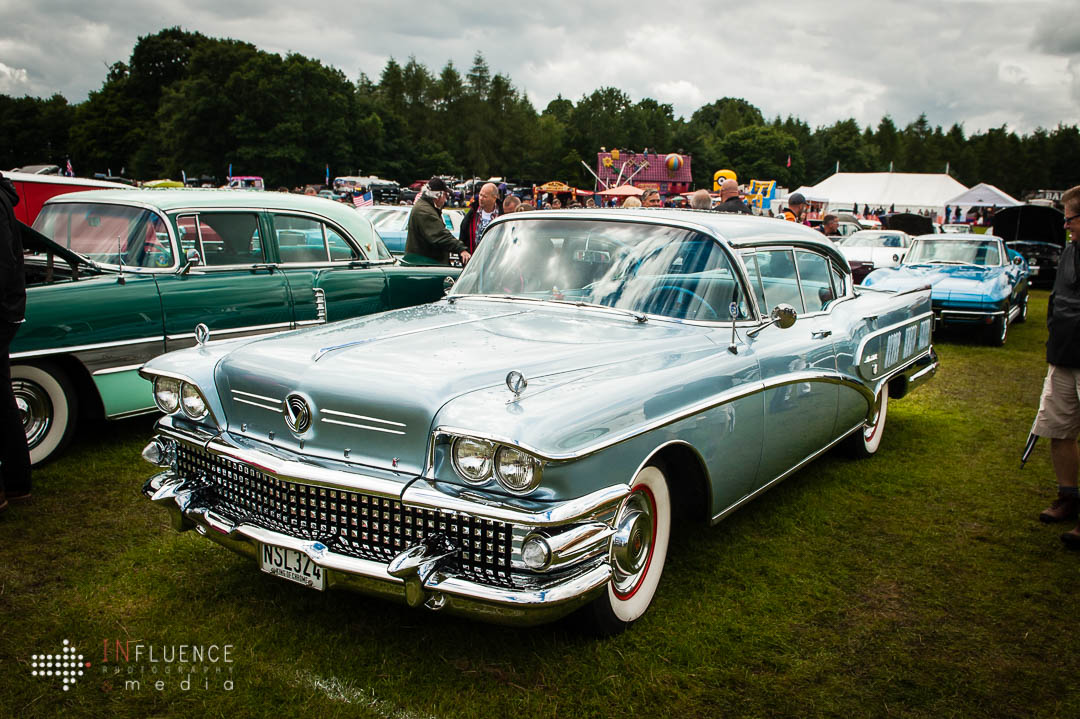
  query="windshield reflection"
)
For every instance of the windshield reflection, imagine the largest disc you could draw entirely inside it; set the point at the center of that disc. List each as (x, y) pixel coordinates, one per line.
(641, 268)
(983, 253)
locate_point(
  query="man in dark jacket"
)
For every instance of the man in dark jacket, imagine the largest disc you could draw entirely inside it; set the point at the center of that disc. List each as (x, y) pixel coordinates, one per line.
(480, 216)
(428, 241)
(1059, 406)
(14, 456)
(730, 200)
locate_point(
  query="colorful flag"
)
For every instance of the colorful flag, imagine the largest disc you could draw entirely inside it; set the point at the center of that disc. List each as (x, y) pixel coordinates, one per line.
(364, 200)
(70, 172)
(229, 177)
(789, 160)
(328, 175)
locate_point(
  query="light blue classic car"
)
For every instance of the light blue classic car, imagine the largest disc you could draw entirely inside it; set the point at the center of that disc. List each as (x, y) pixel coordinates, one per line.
(522, 448)
(392, 223)
(976, 281)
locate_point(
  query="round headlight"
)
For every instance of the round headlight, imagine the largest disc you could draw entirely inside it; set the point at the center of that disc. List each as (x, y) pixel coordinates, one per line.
(516, 470)
(472, 459)
(167, 394)
(191, 401)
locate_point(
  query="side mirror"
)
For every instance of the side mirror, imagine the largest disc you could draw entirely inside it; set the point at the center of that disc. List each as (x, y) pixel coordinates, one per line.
(783, 316)
(1018, 261)
(191, 259)
(447, 285)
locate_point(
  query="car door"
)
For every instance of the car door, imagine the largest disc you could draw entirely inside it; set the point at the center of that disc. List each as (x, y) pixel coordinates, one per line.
(332, 274)
(797, 364)
(233, 289)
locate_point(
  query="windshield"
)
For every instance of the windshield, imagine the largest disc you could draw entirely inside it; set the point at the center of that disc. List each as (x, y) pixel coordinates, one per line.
(384, 218)
(873, 239)
(642, 268)
(108, 234)
(963, 252)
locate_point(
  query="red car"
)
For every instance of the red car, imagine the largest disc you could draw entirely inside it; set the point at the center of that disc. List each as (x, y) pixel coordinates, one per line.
(35, 189)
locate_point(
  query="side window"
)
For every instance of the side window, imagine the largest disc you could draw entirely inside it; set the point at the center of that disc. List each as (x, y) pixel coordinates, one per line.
(188, 227)
(750, 260)
(230, 238)
(779, 280)
(299, 239)
(839, 282)
(814, 278)
(340, 249)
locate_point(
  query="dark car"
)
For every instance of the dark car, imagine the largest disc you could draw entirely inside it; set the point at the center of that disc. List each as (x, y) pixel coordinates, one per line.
(1038, 233)
(385, 193)
(908, 222)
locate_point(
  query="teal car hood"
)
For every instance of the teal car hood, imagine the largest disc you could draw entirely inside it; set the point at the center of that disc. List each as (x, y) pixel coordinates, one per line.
(947, 282)
(375, 385)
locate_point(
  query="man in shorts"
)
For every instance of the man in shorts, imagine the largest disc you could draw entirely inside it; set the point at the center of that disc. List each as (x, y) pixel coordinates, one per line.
(1059, 407)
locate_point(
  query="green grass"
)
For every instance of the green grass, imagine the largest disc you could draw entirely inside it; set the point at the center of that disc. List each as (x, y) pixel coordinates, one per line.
(914, 584)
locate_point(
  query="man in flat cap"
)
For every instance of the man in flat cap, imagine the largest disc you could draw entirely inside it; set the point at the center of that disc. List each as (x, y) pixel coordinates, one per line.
(428, 241)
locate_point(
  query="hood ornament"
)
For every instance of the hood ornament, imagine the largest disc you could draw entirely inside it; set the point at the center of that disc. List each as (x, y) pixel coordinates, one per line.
(516, 383)
(297, 414)
(202, 334)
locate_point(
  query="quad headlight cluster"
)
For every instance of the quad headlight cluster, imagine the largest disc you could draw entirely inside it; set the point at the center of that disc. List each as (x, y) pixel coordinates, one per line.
(478, 461)
(174, 395)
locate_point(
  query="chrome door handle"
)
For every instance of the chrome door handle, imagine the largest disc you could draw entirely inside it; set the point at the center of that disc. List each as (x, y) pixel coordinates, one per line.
(820, 334)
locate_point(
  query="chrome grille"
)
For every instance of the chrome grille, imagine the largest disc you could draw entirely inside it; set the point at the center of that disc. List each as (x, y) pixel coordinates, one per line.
(351, 523)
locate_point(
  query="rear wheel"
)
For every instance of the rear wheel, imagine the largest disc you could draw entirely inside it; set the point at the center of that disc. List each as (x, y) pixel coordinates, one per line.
(49, 407)
(866, 441)
(639, 549)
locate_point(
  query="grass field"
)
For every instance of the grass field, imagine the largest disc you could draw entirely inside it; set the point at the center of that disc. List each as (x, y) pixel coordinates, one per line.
(914, 584)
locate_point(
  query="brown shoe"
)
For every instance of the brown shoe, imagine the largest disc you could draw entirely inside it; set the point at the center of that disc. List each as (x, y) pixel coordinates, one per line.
(1072, 538)
(1063, 509)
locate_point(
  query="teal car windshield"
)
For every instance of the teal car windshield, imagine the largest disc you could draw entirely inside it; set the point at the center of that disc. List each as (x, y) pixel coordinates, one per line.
(108, 234)
(643, 268)
(984, 253)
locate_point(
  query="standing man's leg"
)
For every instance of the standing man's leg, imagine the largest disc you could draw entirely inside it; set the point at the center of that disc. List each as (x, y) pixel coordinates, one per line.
(14, 455)
(1059, 412)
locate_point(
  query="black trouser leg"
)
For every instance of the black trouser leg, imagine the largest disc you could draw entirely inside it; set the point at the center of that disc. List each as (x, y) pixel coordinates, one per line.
(14, 456)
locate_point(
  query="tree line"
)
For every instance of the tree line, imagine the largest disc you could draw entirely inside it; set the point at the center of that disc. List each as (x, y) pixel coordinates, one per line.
(187, 102)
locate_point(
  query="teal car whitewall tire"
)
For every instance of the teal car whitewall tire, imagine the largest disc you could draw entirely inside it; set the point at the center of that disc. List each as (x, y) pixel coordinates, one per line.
(48, 404)
(865, 442)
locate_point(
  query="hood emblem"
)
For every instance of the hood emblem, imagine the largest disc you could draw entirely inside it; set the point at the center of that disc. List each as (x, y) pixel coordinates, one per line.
(297, 414)
(516, 382)
(202, 334)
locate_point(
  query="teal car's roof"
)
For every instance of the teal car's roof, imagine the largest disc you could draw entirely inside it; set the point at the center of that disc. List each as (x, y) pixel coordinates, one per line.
(736, 230)
(185, 199)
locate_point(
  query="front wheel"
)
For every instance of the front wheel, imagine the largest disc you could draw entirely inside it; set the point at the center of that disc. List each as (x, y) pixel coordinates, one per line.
(638, 551)
(48, 405)
(866, 441)
(1022, 317)
(998, 331)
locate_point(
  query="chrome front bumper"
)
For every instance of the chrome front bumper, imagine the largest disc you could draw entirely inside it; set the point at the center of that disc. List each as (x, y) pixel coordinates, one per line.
(417, 575)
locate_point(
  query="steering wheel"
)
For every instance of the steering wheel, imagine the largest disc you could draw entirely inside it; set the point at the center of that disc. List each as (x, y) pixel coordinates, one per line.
(657, 290)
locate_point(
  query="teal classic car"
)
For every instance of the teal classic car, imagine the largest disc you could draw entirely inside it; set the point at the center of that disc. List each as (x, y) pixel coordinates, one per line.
(119, 277)
(524, 447)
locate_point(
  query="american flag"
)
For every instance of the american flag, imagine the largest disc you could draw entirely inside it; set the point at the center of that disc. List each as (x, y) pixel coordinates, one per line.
(70, 172)
(364, 200)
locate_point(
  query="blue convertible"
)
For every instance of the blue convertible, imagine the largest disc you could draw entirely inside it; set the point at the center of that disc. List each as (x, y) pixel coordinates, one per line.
(975, 280)
(524, 447)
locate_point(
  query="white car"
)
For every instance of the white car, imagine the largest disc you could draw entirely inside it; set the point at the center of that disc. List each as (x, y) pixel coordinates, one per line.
(866, 250)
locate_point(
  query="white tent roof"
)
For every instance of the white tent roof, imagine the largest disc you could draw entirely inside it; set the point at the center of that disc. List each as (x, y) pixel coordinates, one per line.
(984, 195)
(906, 190)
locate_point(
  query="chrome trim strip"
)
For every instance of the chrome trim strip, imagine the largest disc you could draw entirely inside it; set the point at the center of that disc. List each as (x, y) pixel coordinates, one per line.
(885, 330)
(923, 372)
(361, 426)
(393, 335)
(84, 348)
(236, 330)
(256, 396)
(746, 390)
(768, 485)
(133, 413)
(256, 404)
(970, 313)
(360, 416)
(423, 493)
(115, 370)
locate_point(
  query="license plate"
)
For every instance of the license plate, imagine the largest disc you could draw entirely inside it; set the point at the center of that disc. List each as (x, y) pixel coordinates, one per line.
(292, 565)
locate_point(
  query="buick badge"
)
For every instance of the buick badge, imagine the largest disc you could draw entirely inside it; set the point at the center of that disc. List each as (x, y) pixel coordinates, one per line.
(297, 414)
(202, 334)
(516, 382)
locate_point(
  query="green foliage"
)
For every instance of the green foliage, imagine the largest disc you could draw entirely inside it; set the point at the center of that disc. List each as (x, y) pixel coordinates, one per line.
(183, 101)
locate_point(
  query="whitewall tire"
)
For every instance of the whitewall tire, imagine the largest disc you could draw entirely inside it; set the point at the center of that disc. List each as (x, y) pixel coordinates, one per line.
(865, 442)
(49, 407)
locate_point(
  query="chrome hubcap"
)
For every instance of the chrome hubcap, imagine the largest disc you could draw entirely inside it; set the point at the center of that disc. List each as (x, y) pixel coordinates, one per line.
(35, 410)
(632, 544)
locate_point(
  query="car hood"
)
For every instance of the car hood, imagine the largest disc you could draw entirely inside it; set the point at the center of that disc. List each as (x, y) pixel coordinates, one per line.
(375, 385)
(956, 282)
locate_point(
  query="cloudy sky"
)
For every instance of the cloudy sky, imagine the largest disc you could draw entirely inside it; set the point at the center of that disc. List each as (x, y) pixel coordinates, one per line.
(982, 63)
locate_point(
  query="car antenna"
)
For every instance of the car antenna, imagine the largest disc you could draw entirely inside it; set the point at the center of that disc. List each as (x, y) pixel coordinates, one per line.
(733, 310)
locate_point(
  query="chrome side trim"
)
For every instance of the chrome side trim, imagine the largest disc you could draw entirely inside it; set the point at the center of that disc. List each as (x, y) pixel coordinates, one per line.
(360, 416)
(737, 393)
(256, 396)
(768, 485)
(423, 493)
(133, 413)
(361, 426)
(236, 330)
(970, 313)
(115, 370)
(84, 348)
(256, 404)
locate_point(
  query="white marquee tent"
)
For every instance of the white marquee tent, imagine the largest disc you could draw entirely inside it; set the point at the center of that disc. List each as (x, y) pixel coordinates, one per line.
(983, 195)
(908, 191)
